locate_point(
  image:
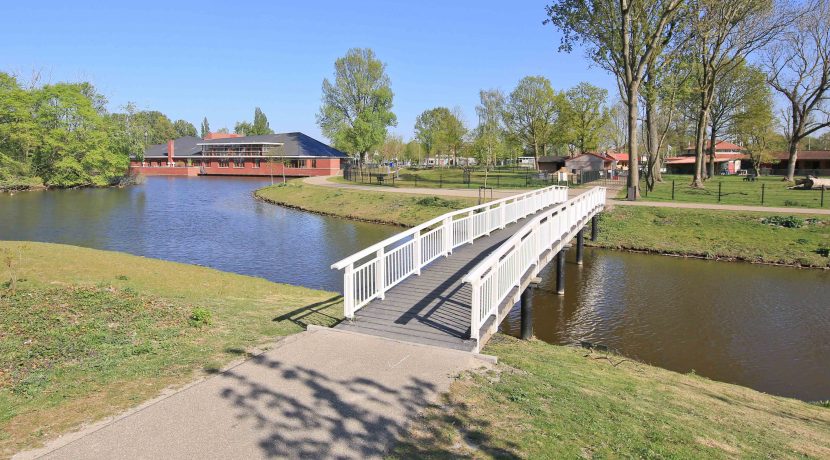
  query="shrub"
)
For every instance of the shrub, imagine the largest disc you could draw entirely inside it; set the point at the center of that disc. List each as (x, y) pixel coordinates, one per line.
(200, 317)
(783, 221)
(437, 202)
(823, 251)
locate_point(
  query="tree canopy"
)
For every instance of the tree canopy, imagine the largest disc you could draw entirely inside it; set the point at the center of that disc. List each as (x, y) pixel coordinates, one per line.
(356, 108)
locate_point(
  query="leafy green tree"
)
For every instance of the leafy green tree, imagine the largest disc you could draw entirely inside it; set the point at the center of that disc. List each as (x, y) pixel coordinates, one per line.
(584, 116)
(392, 148)
(429, 126)
(356, 108)
(184, 128)
(260, 125)
(754, 125)
(489, 143)
(623, 37)
(19, 134)
(244, 128)
(532, 112)
(205, 128)
(413, 151)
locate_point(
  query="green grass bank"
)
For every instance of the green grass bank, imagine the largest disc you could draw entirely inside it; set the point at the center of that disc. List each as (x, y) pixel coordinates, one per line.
(86, 333)
(547, 401)
(386, 208)
(755, 237)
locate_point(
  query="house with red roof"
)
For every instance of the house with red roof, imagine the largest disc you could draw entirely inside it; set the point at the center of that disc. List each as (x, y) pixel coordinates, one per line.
(729, 159)
(814, 162)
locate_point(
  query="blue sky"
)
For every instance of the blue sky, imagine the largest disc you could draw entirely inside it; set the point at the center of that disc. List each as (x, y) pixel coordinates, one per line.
(196, 59)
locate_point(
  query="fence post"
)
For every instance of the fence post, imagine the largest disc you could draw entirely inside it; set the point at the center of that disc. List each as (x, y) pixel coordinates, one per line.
(763, 189)
(527, 177)
(380, 275)
(672, 189)
(416, 180)
(822, 197)
(348, 292)
(416, 252)
(441, 181)
(720, 184)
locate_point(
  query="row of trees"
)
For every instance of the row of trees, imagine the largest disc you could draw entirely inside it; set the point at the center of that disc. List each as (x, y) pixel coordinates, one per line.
(533, 119)
(64, 134)
(667, 52)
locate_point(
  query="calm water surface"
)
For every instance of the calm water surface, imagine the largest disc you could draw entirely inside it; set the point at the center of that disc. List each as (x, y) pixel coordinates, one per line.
(764, 327)
(210, 221)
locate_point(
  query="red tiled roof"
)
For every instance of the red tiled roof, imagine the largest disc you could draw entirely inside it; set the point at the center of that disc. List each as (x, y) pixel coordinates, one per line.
(720, 145)
(618, 156)
(805, 155)
(719, 158)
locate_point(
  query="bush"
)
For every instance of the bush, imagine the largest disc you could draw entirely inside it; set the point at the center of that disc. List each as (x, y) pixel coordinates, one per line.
(783, 221)
(437, 202)
(823, 251)
(200, 317)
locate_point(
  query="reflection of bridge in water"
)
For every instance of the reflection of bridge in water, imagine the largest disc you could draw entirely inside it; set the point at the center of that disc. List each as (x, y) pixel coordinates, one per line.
(450, 281)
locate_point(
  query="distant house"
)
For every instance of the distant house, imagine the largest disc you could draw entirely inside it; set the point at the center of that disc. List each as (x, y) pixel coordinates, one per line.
(551, 163)
(589, 162)
(292, 154)
(729, 159)
(815, 162)
(620, 158)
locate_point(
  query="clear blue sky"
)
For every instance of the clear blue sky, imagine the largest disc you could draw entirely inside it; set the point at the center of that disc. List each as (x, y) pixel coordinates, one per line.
(196, 59)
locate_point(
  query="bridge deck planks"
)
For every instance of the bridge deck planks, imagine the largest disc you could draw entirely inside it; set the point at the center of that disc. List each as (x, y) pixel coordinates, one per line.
(433, 308)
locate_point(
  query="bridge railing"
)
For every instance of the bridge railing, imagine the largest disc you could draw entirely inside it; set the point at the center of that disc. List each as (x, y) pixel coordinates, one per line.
(494, 278)
(369, 273)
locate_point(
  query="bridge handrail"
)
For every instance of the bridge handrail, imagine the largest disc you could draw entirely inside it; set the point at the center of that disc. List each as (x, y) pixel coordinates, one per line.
(373, 278)
(493, 278)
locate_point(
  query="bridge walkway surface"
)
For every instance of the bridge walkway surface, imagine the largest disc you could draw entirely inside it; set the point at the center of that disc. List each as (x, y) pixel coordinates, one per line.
(432, 308)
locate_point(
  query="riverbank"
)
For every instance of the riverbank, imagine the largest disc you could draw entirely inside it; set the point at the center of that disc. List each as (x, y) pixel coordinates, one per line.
(87, 333)
(756, 237)
(368, 206)
(547, 401)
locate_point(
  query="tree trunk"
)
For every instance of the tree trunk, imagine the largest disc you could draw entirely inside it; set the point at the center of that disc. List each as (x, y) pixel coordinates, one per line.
(653, 170)
(793, 159)
(712, 152)
(700, 136)
(633, 160)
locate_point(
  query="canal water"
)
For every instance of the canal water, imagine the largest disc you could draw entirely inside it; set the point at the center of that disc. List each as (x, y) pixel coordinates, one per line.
(763, 327)
(210, 221)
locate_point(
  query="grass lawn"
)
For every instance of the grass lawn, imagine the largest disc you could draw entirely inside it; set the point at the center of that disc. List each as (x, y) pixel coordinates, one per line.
(392, 208)
(734, 190)
(555, 402)
(88, 333)
(718, 234)
(454, 178)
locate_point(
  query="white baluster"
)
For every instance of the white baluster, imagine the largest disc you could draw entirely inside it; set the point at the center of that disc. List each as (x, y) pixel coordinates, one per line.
(380, 275)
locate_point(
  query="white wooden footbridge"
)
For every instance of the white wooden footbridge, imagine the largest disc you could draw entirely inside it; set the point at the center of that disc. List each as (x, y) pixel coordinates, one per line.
(450, 281)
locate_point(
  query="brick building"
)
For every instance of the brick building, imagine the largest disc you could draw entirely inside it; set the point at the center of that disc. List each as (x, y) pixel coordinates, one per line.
(293, 154)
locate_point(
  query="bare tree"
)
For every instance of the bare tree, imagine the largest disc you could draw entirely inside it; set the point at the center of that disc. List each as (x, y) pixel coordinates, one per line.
(726, 31)
(799, 69)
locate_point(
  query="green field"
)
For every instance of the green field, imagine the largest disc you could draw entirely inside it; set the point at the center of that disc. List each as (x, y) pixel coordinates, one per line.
(561, 402)
(86, 333)
(765, 191)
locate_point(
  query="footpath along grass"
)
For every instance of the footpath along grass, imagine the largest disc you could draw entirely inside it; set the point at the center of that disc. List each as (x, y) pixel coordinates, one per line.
(502, 178)
(765, 191)
(747, 236)
(86, 333)
(547, 401)
(390, 208)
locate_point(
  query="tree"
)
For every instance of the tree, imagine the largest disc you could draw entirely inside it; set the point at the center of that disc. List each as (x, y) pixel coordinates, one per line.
(184, 128)
(799, 69)
(356, 109)
(489, 135)
(205, 128)
(754, 125)
(623, 37)
(585, 116)
(412, 151)
(453, 132)
(725, 32)
(532, 111)
(616, 127)
(392, 148)
(243, 128)
(734, 91)
(429, 126)
(260, 125)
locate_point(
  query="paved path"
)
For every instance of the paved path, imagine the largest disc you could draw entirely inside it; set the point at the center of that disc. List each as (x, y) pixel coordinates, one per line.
(323, 181)
(318, 394)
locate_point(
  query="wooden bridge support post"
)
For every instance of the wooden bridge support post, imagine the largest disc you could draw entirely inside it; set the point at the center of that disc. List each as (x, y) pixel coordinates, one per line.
(560, 271)
(580, 245)
(594, 227)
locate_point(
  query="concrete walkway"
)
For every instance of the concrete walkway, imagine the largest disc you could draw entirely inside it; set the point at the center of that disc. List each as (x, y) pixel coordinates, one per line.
(572, 192)
(318, 394)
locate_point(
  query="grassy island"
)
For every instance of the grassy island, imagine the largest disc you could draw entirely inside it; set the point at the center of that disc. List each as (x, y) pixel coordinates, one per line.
(87, 333)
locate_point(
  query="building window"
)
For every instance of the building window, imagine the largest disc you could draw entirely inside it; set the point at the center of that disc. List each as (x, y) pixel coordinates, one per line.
(255, 164)
(238, 162)
(314, 163)
(206, 163)
(296, 163)
(223, 162)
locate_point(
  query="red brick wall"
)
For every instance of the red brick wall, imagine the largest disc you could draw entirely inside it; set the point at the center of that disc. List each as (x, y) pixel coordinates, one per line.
(323, 167)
